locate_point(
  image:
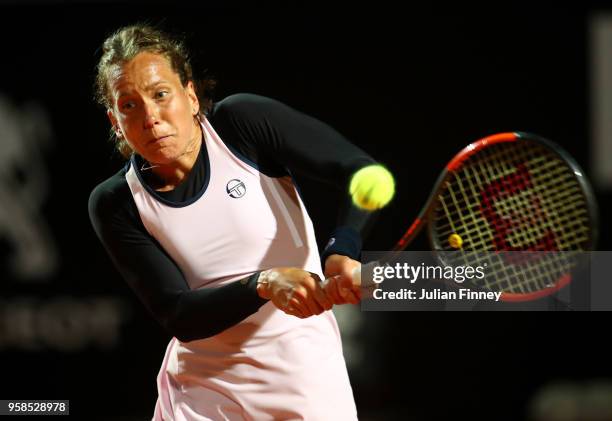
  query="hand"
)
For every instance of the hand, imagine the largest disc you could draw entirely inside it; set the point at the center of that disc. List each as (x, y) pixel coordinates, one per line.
(294, 291)
(339, 285)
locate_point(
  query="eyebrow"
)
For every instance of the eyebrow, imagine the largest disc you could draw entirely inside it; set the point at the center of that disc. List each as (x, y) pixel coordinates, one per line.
(147, 88)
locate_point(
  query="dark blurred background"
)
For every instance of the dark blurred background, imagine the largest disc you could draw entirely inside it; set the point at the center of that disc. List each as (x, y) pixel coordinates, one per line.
(410, 84)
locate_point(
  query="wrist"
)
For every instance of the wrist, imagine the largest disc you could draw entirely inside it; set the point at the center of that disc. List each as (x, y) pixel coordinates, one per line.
(263, 283)
(345, 241)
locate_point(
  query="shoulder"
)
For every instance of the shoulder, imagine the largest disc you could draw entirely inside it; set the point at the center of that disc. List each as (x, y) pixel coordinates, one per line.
(240, 101)
(110, 197)
(245, 106)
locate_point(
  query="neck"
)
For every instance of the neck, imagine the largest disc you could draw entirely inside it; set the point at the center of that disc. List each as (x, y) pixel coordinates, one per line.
(171, 175)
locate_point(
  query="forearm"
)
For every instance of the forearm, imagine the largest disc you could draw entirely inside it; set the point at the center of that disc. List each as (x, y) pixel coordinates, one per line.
(207, 312)
(156, 279)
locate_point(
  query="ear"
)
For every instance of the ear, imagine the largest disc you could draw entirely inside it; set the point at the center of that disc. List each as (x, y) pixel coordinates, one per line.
(113, 120)
(193, 98)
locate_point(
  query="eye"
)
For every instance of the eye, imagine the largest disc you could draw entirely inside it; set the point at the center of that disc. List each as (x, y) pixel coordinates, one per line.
(161, 94)
(126, 105)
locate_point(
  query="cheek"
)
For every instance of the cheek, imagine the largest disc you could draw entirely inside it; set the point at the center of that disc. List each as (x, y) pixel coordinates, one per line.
(183, 117)
(125, 121)
(128, 127)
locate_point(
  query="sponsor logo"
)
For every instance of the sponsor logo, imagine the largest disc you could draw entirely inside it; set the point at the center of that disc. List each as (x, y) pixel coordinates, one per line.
(235, 189)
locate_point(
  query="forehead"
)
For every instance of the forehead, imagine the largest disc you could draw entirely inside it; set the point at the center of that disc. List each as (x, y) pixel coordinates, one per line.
(141, 72)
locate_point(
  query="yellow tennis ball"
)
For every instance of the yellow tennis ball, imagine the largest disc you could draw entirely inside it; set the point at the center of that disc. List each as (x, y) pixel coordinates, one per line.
(372, 187)
(455, 241)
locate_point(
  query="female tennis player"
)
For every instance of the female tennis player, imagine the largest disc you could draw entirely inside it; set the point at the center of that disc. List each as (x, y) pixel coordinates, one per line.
(206, 225)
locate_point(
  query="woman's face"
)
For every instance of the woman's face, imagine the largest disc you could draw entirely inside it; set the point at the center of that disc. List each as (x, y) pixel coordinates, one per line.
(152, 110)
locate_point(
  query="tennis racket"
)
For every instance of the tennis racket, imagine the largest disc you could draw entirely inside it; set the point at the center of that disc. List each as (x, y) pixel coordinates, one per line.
(500, 199)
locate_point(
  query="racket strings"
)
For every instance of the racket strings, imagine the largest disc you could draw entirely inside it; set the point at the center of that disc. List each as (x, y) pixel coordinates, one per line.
(527, 276)
(513, 198)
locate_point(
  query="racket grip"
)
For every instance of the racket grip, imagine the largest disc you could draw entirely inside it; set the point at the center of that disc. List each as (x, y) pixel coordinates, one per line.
(368, 286)
(357, 275)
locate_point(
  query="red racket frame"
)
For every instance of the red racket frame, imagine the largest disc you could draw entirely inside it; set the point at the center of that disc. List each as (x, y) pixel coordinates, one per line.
(425, 215)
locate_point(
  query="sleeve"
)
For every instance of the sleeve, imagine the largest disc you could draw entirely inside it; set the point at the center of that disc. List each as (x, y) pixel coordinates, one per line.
(302, 145)
(157, 281)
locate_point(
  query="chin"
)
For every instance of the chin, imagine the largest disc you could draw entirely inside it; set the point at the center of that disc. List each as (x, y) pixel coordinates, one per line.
(163, 160)
(163, 156)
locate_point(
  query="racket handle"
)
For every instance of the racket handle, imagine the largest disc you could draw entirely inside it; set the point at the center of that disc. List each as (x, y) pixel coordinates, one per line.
(357, 275)
(368, 286)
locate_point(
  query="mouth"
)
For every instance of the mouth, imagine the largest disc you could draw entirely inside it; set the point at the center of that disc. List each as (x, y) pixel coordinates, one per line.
(159, 139)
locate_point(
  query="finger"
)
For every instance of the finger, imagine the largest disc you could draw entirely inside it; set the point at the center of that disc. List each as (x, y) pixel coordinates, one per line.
(293, 311)
(319, 294)
(284, 300)
(332, 292)
(346, 292)
(306, 298)
(286, 297)
(314, 294)
(321, 298)
(340, 291)
(346, 289)
(299, 307)
(350, 297)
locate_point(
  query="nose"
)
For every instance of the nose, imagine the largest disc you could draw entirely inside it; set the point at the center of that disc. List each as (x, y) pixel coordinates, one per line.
(151, 114)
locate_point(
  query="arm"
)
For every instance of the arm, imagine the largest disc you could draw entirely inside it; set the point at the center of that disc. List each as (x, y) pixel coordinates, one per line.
(155, 278)
(157, 281)
(279, 137)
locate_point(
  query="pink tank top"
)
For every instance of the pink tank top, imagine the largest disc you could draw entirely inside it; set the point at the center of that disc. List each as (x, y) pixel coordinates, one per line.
(270, 365)
(244, 222)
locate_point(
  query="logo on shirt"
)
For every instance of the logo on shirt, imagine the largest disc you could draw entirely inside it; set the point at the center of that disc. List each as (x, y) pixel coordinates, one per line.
(330, 243)
(235, 188)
